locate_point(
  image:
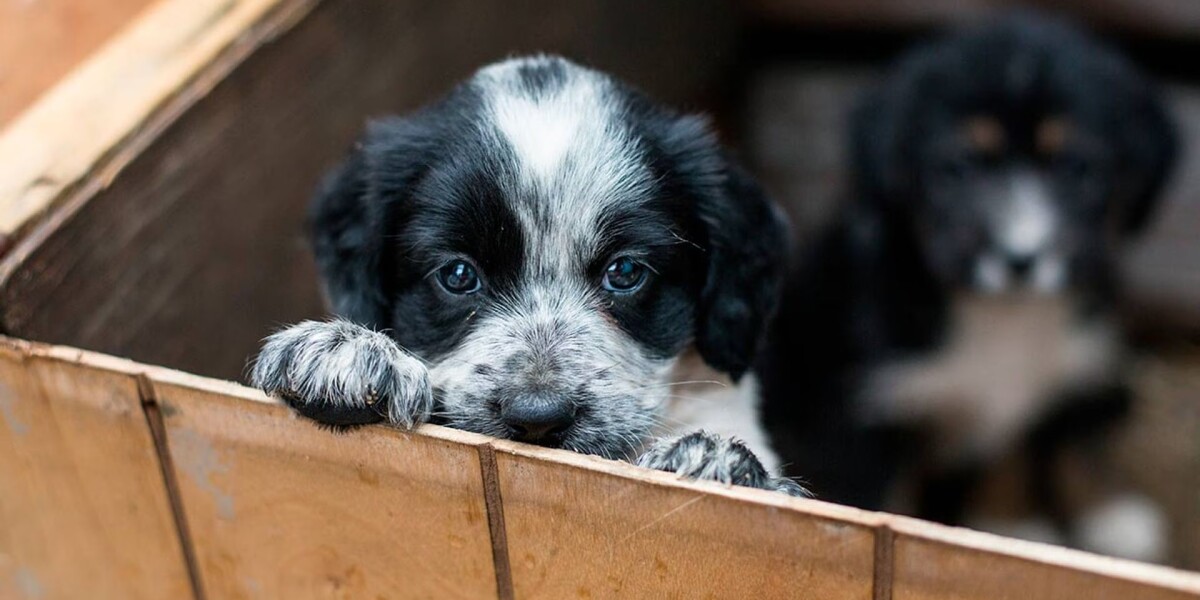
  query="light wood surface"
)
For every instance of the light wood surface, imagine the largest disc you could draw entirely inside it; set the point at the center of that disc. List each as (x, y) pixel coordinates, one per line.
(41, 40)
(83, 508)
(273, 506)
(279, 508)
(577, 532)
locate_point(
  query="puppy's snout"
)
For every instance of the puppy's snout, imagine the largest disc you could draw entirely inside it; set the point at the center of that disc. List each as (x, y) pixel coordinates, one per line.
(1021, 265)
(539, 417)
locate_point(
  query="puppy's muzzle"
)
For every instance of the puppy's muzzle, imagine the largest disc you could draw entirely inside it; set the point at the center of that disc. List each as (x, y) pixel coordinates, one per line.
(539, 417)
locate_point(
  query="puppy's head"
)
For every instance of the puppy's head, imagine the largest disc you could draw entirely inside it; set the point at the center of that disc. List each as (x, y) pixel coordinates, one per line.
(548, 241)
(1018, 154)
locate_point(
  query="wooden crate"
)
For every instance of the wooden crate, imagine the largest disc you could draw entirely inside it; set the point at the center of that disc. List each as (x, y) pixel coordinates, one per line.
(151, 206)
(125, 480)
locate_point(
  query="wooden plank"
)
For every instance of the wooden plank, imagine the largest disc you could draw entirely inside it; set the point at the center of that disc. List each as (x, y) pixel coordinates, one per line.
(83, 509)
(942, 563)
(584, 527)
(1162, 18)
(279, 508)
(195, 251)
(75, 130)
(41, 40)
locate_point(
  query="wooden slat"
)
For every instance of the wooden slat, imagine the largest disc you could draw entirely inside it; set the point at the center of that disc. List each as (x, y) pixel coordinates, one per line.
(941, 563)
(41, 40)
(77, 127)
(275, 507)
(83, 509)
(582, 527)
(279, 508)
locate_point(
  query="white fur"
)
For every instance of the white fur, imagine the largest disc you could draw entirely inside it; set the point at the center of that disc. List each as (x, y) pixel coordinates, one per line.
(1030, 219)
(1005, 361)
(1127, 526)
(576, 156)
(726, 409)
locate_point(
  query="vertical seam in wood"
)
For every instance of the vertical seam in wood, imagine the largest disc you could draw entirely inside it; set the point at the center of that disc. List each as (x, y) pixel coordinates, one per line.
(158, 432)
(884, 564)
(495, 514)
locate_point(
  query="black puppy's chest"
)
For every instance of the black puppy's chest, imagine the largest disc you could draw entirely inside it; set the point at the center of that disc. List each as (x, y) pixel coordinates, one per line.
(1002, 363)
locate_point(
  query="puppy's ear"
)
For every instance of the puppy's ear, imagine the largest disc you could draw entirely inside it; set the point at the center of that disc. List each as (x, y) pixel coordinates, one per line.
(353, 215)
(1150, 149)
(746, 250)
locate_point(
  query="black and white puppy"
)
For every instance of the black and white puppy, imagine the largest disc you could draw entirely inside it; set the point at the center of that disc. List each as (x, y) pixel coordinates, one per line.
(529, 258)
(960, 310)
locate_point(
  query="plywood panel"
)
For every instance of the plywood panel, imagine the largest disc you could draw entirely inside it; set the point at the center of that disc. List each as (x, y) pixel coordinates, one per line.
(41, 40)
(582, 527)
(84, 512)
(940, 563)
(279, 508)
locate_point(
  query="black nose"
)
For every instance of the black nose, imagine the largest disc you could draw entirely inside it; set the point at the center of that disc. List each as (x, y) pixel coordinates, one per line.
(538, 418)
(1021, 264)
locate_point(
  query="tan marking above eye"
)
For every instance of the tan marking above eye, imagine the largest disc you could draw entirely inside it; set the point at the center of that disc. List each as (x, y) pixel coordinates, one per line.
(1052, 135)
(985, 134)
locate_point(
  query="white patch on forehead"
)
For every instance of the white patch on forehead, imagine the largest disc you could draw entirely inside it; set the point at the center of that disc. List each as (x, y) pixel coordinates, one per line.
(1030, 220)
(576, 157)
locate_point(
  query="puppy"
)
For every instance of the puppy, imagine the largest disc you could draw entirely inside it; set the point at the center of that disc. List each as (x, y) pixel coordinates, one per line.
(529, 258)
(960, 309)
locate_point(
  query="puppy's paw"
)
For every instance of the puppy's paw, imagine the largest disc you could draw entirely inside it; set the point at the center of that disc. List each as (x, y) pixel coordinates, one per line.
(340, 373)
(702, 455)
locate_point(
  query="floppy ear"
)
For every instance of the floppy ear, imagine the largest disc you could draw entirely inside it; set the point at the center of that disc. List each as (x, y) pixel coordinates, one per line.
(353, 215)
(746, 249)
(1150, 149)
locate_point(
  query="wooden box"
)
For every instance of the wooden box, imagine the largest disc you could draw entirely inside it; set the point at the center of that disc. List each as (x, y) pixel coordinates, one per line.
(151, 207)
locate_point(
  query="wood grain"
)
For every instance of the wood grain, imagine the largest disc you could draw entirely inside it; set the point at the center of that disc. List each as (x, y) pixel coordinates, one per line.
(41, 40)
(278, 508)
(582, 527)
(83, 508)
(942, 563)
(89, 126)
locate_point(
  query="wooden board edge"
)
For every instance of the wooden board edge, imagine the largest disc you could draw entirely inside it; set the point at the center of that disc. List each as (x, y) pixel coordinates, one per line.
(962, 539)
(82, 132)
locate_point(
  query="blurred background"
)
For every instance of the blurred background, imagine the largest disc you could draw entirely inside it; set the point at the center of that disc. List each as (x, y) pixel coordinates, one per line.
(229, 260)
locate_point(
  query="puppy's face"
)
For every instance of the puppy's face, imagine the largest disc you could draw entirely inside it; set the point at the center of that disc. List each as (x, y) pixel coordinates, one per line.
(1021, 153)
(1008, 203)
(548, 242)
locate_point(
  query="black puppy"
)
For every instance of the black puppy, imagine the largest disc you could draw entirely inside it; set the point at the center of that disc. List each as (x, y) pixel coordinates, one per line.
(531, 257)
(961, 308)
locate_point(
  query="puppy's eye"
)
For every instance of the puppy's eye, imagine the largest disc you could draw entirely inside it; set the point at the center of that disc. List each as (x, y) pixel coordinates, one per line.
(459, 277)
(624, 275)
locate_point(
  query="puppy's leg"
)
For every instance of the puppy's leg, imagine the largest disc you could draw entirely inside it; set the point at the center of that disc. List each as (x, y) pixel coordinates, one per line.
(340, 373)
(702, 455)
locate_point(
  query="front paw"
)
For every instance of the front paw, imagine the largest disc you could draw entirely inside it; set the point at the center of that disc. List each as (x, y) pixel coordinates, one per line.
(340, 373)
(702, 455)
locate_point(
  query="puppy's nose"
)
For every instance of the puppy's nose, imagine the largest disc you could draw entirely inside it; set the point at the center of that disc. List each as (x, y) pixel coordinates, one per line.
(538, 418)
(1021, 264)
